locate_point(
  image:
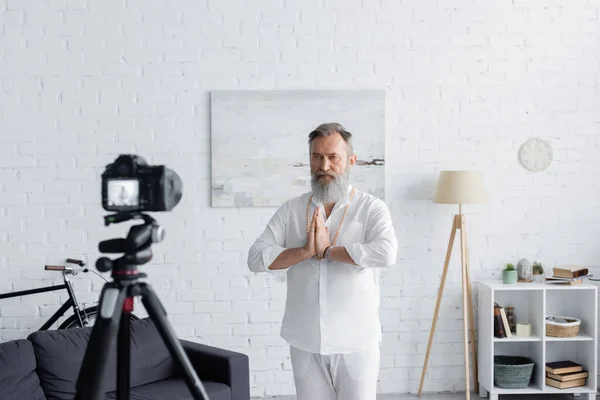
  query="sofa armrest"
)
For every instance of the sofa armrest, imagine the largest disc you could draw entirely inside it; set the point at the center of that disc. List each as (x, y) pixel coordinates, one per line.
(220, 365)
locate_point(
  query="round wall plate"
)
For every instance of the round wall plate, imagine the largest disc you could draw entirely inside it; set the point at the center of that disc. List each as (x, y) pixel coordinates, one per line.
(535, 154)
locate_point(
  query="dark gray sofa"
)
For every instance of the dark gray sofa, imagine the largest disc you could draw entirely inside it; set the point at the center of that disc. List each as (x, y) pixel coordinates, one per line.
(45, 366)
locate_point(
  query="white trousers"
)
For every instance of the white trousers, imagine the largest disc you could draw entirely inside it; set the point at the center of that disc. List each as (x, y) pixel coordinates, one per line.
(336, 377)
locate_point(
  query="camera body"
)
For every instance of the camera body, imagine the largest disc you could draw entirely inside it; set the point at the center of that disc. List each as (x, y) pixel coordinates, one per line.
(129, 184)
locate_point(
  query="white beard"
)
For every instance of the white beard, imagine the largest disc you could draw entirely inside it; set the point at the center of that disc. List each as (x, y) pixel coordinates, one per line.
(332, 191)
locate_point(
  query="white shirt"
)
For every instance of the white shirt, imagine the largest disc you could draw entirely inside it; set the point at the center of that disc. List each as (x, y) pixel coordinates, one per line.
(331, 307)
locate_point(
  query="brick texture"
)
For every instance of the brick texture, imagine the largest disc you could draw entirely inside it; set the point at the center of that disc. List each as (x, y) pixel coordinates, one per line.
(467, 82)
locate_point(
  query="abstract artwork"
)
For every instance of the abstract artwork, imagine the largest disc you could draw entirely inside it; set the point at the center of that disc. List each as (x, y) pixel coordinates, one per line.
(259, 142)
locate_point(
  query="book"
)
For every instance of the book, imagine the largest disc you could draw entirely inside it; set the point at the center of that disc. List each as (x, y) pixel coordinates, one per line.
(563, 281)
(505, 322)
(565, 385)
(570, 271)
(568, 376)
(498, 323)
(563, 367)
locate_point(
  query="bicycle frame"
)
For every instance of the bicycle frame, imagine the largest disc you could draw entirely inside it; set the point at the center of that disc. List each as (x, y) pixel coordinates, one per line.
(71, 302)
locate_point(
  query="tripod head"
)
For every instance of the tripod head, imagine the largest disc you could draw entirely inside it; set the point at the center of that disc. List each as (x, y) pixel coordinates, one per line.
(115, 307)
(136, 246)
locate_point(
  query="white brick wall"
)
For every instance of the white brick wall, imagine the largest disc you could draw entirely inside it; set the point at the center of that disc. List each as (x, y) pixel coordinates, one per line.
(467, 82)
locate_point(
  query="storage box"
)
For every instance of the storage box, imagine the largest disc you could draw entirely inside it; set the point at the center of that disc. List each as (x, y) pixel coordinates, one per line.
(523, 329)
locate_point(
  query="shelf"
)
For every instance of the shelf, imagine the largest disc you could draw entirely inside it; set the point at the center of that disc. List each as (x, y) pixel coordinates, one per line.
(531, 389)
(528, 306)
(519, 339)
(557, 286)
(578, 338)
(499, 286)
(581, 352)
(532, 303)
(581, 389)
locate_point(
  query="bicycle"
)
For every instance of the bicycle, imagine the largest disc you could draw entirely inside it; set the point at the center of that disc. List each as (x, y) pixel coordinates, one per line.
(82, 316)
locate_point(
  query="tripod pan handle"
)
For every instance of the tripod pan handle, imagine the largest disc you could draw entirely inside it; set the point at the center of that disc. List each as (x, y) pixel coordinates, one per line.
(74, 261)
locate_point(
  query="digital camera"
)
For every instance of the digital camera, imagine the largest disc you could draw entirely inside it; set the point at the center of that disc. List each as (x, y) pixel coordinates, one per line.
(130, 184)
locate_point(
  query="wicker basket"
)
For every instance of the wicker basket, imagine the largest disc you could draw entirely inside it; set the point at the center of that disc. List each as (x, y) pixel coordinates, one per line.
(559, 326)
(513, 372)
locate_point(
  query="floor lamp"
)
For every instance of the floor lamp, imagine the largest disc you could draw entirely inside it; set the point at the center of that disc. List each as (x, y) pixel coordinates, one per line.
(459, 187)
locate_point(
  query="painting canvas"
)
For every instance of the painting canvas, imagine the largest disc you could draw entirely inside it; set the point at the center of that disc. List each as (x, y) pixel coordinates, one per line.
(259, 142)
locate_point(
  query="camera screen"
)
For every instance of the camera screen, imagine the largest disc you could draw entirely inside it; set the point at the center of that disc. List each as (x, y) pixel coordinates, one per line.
(123, 192)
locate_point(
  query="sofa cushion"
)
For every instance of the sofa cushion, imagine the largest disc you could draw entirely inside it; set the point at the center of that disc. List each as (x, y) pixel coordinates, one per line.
(18, 378)
(60, 353)
(175, 389)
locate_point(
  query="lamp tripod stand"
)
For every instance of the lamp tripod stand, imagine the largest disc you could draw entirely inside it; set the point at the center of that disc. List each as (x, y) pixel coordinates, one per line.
(457, 224)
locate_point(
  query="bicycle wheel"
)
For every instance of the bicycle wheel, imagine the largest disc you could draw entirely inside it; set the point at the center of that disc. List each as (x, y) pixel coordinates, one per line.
(90, 312)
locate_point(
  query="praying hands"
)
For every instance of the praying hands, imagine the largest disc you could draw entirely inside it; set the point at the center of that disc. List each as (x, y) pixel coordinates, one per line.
(317, 237)
(321, 235)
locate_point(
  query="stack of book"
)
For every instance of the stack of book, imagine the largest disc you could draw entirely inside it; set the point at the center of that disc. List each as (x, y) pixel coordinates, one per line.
(568, 275)
(565, 374)
(501, 326)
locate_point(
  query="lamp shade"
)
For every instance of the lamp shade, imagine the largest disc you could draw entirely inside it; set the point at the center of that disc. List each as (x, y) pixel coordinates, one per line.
(461, 187)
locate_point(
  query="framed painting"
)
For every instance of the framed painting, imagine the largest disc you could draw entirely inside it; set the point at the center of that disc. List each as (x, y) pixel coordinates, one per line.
(259, 142)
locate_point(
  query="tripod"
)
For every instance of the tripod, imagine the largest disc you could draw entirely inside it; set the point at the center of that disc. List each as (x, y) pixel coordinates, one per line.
(115, 307)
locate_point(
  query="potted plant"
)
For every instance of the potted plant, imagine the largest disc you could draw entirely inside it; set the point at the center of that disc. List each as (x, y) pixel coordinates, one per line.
(538, 272)
(509, 274)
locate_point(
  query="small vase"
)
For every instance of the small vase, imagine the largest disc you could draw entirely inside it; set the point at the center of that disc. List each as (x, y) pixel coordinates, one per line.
(539, 278)
(509, 276)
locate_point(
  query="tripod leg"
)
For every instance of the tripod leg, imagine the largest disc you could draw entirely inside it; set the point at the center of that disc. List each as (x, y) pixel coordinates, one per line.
(124, 352)
(471, 318)
(439, 299)
(465, 317)
(91, 374)
(157, 313)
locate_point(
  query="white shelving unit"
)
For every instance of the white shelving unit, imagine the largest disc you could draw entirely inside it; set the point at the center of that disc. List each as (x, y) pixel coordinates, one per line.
(532, 303)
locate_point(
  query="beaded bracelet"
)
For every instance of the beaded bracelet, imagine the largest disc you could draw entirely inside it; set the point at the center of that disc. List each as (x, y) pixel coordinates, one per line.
(327, 252)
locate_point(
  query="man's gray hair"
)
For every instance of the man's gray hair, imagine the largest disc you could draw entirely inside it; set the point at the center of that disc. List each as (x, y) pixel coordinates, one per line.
(329, 128)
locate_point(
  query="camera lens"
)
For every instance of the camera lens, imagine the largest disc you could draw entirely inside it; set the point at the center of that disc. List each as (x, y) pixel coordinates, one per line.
(173, 187)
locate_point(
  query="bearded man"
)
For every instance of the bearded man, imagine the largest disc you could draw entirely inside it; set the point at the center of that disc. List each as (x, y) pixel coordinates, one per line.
(331, 243)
